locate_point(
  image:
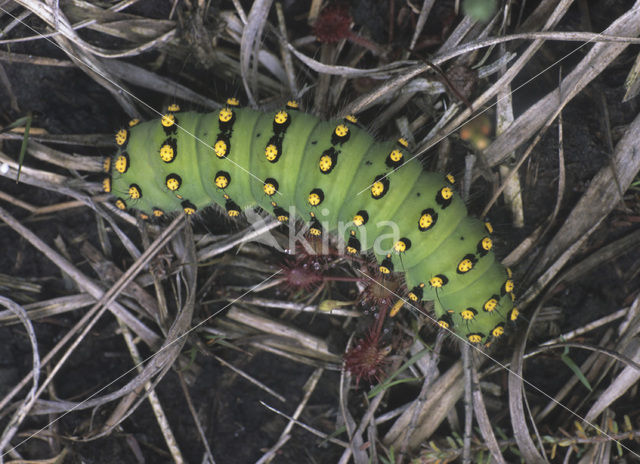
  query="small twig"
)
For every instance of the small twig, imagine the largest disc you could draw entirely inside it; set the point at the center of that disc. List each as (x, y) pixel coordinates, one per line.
(468, 403)
(250, 379)
(152, 396)
(431, 374)
(588, 327)
(196, 419)
(16, 420)
(316, 432)
(482, 418)
(309, 388)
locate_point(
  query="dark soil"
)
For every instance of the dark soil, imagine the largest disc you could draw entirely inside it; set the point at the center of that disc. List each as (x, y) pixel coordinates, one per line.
(64, 100)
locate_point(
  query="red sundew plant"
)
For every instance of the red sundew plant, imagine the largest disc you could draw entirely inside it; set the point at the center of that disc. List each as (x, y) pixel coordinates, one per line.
(379, 291)
(368, 358)
(301, 275)
(307, 269)
(334, 24)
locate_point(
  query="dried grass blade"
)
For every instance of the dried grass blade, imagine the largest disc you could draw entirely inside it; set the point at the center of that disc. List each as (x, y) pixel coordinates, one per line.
(251, 45)
(625, 380)
(601, 197)
(16, 420)
(521, 433)
(590, 67)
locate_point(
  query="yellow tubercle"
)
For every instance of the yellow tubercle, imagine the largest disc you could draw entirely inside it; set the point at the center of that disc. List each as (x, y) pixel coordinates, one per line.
(490, 305)
(134, 192)
(487, 244)
(314, 199)
(400, 246)
(225, 115)
(465, 265)
(488, 226)
(220, 148)
(509, 286)
(425, 221)
(377, 189)
(173, 183)
(281, 117)
(121, 137)
(168, 120)
(167, 153)
(221, 181)
(269, 189)
(122, 164)
(468, 314)
(325, 163)
(341, 130)
(446, 193)
(396, 155)
(271, 152)
(474, 338)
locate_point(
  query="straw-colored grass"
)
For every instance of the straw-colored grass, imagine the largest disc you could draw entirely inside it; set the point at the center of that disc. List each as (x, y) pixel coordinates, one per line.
(189, 295)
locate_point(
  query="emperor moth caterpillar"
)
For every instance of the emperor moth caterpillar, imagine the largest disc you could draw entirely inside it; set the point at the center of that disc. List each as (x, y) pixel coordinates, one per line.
(293, 164)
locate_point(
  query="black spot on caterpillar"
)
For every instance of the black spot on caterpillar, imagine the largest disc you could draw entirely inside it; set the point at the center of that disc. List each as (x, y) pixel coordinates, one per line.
(295, 165)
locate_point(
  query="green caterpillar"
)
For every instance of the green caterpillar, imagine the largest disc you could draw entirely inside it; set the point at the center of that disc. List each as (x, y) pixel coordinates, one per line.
(335, 176)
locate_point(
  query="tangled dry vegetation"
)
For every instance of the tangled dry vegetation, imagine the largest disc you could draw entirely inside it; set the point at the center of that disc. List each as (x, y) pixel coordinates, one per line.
(105, 315)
